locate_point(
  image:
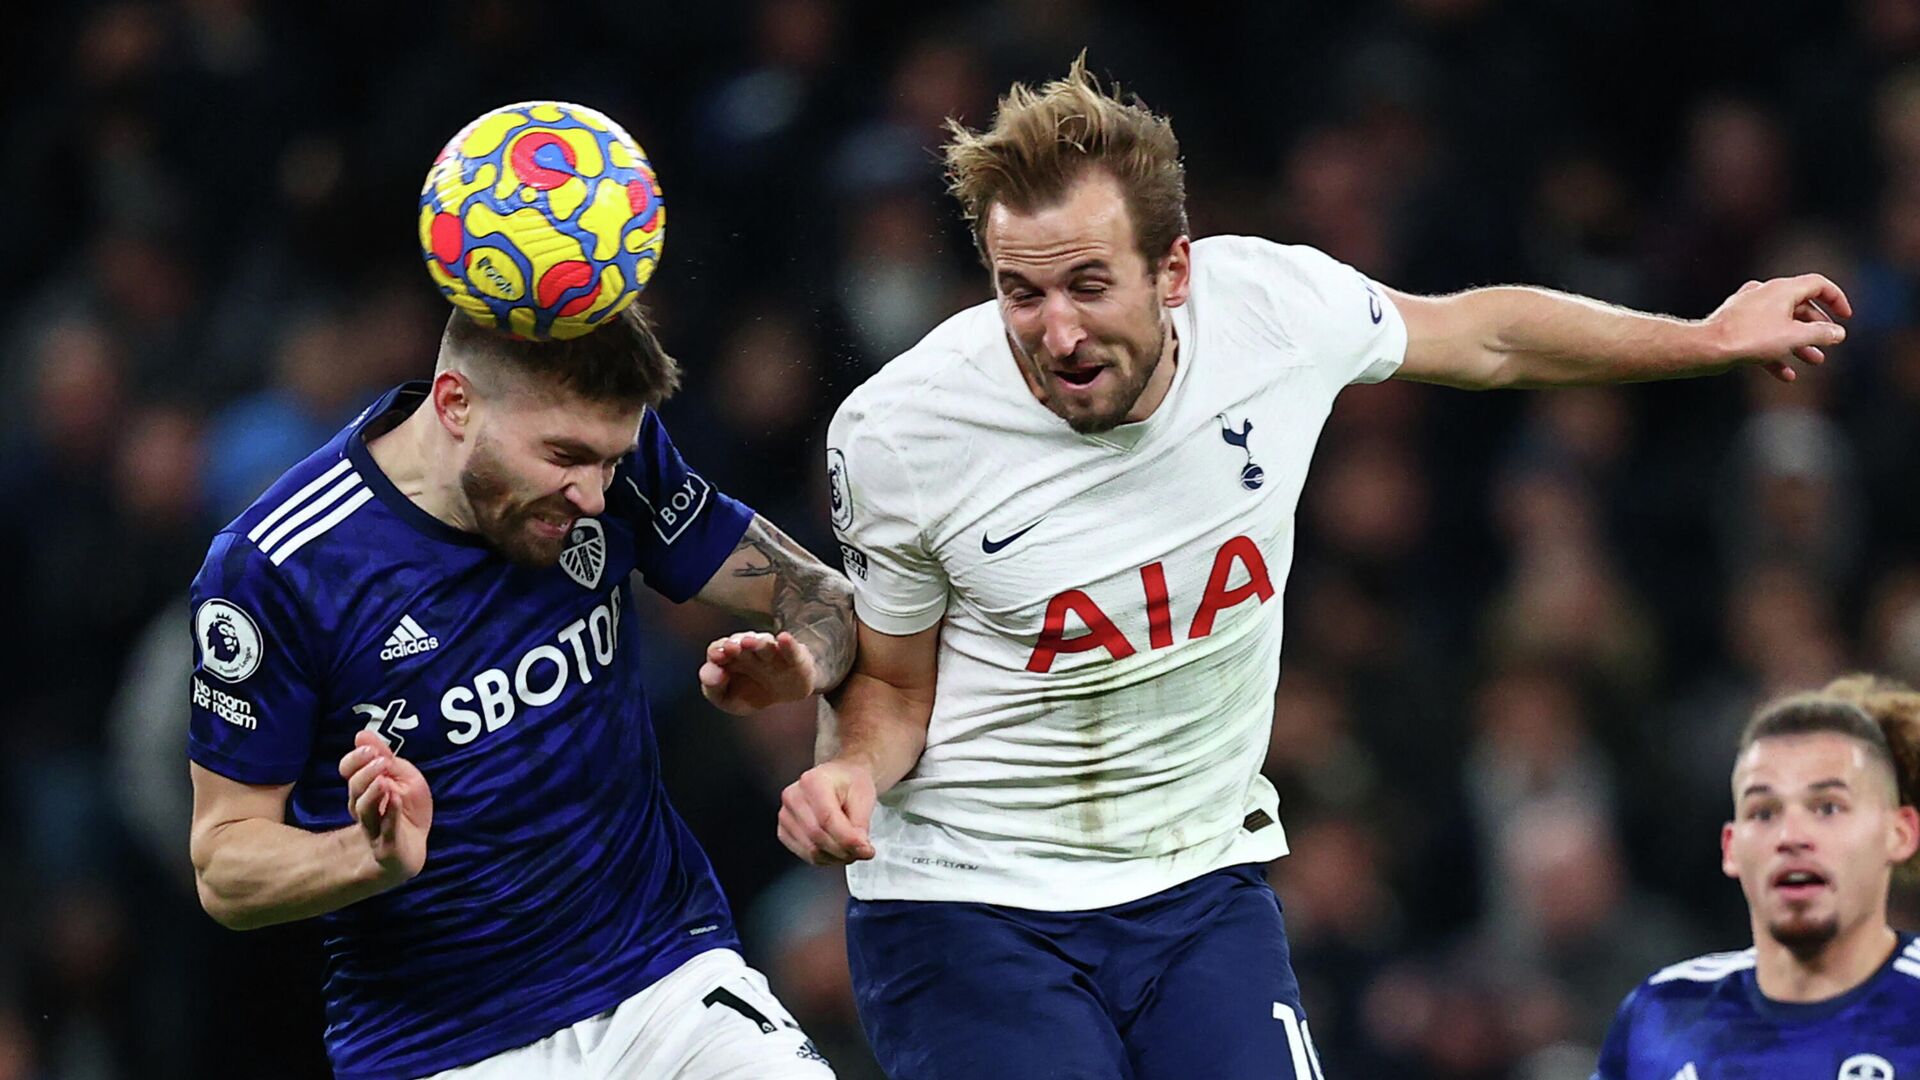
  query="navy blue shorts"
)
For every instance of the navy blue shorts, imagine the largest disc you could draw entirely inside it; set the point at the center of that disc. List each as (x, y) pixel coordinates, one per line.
(1191, 982)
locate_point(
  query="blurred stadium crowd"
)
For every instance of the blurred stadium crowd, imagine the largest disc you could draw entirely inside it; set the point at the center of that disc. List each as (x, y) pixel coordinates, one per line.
(1525, 628)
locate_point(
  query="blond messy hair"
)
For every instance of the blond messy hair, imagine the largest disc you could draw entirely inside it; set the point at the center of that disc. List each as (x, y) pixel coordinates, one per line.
(1895, 707)
(1043, 141)
(1882, 714)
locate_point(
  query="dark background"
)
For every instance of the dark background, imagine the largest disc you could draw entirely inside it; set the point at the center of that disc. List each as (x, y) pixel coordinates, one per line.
(1524, 627)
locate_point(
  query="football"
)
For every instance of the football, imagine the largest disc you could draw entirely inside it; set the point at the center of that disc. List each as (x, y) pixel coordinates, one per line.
(542, 219)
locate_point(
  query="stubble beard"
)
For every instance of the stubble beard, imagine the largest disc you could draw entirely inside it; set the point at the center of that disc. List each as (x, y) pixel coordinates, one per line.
(1125, 396)
(507, 528)
(1805, 939)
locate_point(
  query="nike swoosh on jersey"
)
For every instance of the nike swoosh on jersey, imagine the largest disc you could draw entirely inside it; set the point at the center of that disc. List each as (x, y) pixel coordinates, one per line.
(989, 545)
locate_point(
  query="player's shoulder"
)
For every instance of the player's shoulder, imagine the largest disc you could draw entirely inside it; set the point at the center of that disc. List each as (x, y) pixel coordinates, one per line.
(1698, 976)
(1905, 969)
(918, 382)
(1679, 993)
(308, 503)
(321, 500)
(1283, 291)
(1257, 261)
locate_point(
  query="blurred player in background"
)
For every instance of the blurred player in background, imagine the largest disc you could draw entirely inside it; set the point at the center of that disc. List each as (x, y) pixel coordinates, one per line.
(1068, 517)
(418, 716)
(1824, 791)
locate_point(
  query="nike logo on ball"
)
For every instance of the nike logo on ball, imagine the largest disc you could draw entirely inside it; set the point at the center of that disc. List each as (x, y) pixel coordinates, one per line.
(989, 545)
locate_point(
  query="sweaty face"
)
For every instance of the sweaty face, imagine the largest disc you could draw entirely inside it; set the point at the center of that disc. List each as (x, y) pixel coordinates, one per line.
(539, 464)
(1085, 313)
(1814, 837)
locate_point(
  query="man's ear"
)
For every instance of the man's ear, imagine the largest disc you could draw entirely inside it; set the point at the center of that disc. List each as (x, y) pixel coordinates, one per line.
(1176, 272)
(453, 401)
(1903, 838)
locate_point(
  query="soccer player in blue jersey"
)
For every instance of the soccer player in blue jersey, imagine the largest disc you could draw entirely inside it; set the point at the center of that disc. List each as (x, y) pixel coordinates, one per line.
(1824, 792)
(418, 716)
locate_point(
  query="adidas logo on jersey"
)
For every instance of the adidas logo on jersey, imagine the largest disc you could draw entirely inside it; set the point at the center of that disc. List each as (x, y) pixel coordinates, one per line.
(408, 639)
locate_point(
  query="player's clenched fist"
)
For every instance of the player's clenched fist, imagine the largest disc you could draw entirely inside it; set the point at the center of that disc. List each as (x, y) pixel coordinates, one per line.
(388, 796)
(824, 814)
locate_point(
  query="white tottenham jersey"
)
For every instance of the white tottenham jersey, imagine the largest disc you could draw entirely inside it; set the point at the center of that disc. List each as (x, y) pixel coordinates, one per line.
(1112, 602)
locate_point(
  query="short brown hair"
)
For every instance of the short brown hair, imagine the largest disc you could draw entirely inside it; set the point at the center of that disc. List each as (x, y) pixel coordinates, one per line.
(620, 363)
(1881, 714)
(1042, 142)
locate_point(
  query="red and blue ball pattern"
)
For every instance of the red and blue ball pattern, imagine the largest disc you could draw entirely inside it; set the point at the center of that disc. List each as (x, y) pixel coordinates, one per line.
(542, 219)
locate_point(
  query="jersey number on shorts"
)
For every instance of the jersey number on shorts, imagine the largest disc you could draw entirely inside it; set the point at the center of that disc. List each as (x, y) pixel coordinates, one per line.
(732, 1001)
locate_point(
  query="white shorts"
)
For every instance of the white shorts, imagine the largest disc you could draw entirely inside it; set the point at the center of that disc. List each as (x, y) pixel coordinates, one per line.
(712, 1018)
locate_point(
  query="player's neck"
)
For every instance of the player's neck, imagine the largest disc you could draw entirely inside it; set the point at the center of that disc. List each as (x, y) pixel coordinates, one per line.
(1846, 962)
(1161, 381)
(405, 454)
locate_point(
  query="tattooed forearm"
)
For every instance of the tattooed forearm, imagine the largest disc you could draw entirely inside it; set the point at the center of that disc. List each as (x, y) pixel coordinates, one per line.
(809, 600)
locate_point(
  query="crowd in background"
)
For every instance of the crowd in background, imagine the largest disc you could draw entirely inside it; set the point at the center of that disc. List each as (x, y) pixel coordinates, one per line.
(1524, 628)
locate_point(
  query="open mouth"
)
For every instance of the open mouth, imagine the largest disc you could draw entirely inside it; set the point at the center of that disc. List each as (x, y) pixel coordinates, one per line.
(551, 529)
(1079, 376)
(1799, 883)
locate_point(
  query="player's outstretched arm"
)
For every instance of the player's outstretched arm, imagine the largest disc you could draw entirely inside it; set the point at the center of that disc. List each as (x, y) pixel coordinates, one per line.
(1526, 337)
(872, 732)
(773, 583)
(254, 870)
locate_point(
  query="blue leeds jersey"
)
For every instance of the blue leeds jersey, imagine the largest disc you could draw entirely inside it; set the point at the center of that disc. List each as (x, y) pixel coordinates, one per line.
(559, 881)
(1707, 1020)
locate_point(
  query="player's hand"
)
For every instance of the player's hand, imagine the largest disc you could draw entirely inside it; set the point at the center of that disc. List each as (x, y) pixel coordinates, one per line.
(824, 814)
(749, 671)
(1772, 323)
(388, 796)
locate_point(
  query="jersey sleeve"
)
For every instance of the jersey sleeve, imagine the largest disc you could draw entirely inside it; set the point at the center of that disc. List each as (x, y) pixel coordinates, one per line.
(1613, 1052)
(899, 587)
(255, 685)
(684, 527)
(1340, 319)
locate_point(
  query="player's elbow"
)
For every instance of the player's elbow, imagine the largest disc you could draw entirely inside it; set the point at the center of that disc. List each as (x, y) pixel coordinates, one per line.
(1488, 366)
(220, 908)
(837, 592)
(211, 904)
(233, 914)
(1501, 371)
(220, 904)
(1477, 366)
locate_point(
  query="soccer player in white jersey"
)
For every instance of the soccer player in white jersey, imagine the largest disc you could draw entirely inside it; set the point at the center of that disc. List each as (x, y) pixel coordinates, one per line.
(1068, 516)
(1823, 791)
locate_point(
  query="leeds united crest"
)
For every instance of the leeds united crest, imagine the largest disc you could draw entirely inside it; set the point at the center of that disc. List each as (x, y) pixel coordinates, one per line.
(585, 557)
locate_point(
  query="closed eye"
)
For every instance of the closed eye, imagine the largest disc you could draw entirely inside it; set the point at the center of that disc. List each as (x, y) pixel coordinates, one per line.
(569, 455)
